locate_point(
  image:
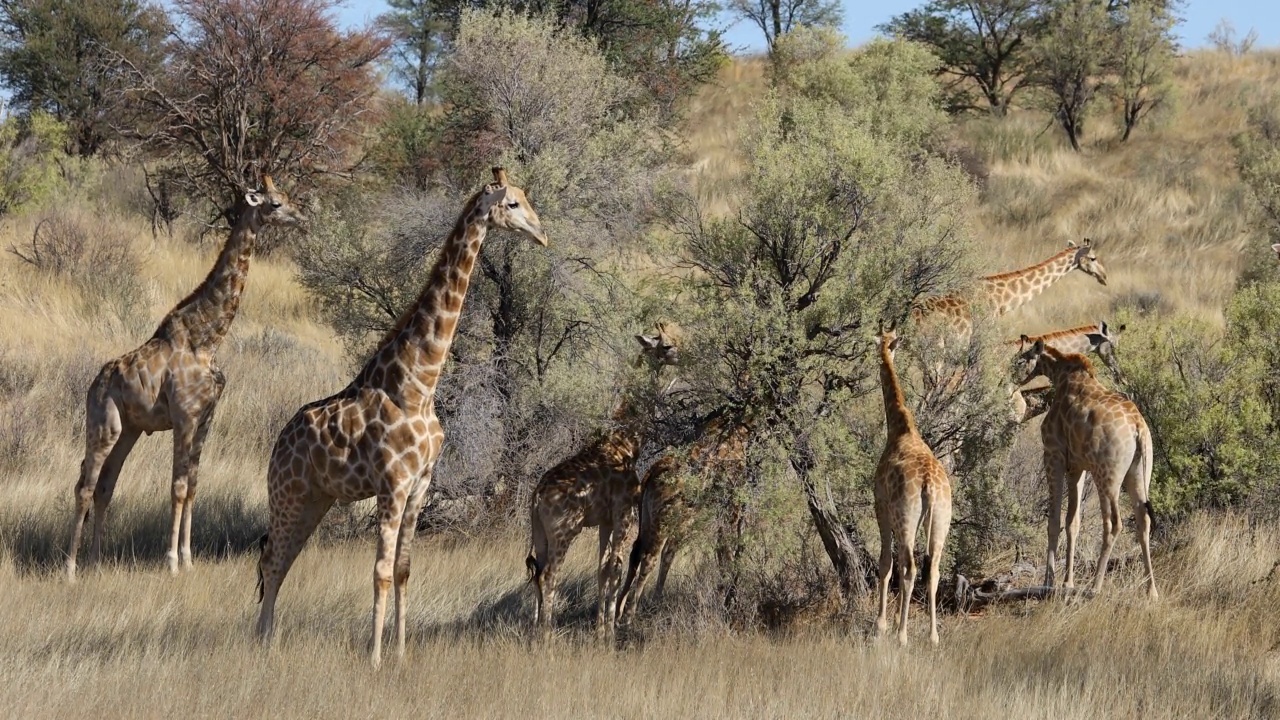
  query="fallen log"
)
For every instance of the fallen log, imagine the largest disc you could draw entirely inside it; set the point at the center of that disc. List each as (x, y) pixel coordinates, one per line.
(971, 597)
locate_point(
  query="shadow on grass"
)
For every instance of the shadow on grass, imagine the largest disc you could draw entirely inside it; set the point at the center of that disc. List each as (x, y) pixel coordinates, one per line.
(137, 533)
(511, 614)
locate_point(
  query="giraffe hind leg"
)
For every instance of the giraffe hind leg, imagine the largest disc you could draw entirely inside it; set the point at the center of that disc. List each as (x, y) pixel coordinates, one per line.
(106, 488)
(103, 429)
(404, 546)
(289, 529)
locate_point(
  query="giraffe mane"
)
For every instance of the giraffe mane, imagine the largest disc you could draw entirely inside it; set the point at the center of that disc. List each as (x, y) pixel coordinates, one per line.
(1037, 266)
(1047, 337)
(408, 313)
(1071, 361)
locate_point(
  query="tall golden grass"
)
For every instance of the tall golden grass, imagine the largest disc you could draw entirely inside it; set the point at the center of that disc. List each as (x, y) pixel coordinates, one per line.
(127, 640)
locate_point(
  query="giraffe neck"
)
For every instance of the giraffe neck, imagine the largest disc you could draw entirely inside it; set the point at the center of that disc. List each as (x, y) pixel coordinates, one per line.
(408, 364)
(204, 317)
(1011, 290)
(897, 417)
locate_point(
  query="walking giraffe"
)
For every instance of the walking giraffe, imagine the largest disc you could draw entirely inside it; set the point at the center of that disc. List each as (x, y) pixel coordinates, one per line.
(1092, 429)
(1007, 291)
(171, 382)
(597, 487)
(911, 489)
(379, 436)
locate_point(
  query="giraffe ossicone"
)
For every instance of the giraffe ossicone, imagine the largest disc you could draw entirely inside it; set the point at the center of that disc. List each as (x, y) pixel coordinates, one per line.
(379, 436)
(171, 382)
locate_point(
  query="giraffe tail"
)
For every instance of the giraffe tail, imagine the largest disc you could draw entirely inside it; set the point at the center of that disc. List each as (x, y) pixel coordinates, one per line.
(262, 549)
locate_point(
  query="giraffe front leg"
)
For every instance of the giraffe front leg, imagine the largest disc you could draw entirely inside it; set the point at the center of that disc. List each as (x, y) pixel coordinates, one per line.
(1055, 474)
(1111, 526)
(882, 577)
(390, 513)
(183, 442)
(1075, 486)
(288, 530)
(106, 489)
(197, 448)
(404, 546)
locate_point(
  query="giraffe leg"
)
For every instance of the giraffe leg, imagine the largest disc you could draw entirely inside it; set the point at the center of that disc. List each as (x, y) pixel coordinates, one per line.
(1136, 487)
(106, 489)
(1055, 474)
(290, 527)
(939, 526)
(390, 514)
(669, 548)
(197, 448)
(1074, 488)
(404, 546)
(184, 437)
(1111, 526)
(639, 566)
(610, 573)
(906, 576)
(102, 431)
(882, 574)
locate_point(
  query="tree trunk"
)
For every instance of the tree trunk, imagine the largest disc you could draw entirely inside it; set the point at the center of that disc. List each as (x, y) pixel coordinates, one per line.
(848, 554)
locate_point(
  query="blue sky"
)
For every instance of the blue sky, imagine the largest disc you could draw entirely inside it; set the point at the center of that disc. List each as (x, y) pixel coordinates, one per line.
(1200, 16)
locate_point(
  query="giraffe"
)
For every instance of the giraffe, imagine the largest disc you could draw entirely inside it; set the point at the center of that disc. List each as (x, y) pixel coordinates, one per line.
(665, 512)
(1100, 338)
(911, 489)
(1089, 428)
(597, 487)
(1007, 291)
(171, 382)
(379, 436)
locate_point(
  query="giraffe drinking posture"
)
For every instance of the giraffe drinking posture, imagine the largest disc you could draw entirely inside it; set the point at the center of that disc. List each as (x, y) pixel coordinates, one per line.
(597, 487)
(911, 489)
(1089, 428)
(379, 436)
(171, 382)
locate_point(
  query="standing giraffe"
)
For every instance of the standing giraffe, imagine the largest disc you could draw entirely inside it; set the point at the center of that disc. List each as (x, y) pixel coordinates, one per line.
(911, 489)
(1004, 292)
(665, 513)
(1089, 428)
(379, 436)
(597, 487)
(171, 382)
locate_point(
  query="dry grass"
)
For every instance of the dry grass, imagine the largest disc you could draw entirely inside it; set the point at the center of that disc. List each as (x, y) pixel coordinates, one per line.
(128, 640)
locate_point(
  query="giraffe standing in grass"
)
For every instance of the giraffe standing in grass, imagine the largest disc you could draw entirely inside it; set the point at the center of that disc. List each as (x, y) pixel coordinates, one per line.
(379, 436)
(1005, 292)
(597, 487)
(1089, 428)
(911, 489)
(665, 513)
(172, 383)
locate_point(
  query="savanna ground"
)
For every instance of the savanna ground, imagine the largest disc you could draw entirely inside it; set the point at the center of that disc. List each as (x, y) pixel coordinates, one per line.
(1170, 220)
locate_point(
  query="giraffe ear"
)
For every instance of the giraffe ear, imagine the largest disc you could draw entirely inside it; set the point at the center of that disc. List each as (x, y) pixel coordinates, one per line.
(1038, 348)
(647, 342)
(1102, 327)
(1276, 247)
(1088, 242)
(268, 184)
(253, 198)
(1071, 243)
(893, 344)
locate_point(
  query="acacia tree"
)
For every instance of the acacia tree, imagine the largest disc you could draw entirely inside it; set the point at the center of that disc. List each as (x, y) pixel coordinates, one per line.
(1142, 59)
(1070, 58)
(978, 42)
(53, 58)
(253, 86)
(776, 18)
(418, 29)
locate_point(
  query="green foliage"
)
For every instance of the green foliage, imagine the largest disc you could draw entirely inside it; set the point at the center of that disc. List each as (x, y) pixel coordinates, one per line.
(982, 46)
(403, 148)
(418, 29)
(1205, 396)
(777, 18)
(32, 160)
(62, 57)
(1258, 159)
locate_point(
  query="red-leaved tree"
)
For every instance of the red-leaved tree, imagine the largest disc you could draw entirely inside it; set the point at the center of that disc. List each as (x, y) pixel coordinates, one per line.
(254, 86)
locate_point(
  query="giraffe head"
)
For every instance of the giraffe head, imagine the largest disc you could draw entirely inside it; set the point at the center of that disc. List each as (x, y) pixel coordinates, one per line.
(507, 207)
(887, 340)
(1086, 258)
(1049, 362)
(660, 349)
(271, 206)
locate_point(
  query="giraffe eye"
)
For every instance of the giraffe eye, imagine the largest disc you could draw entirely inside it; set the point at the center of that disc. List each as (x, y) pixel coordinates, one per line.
(513, 204)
